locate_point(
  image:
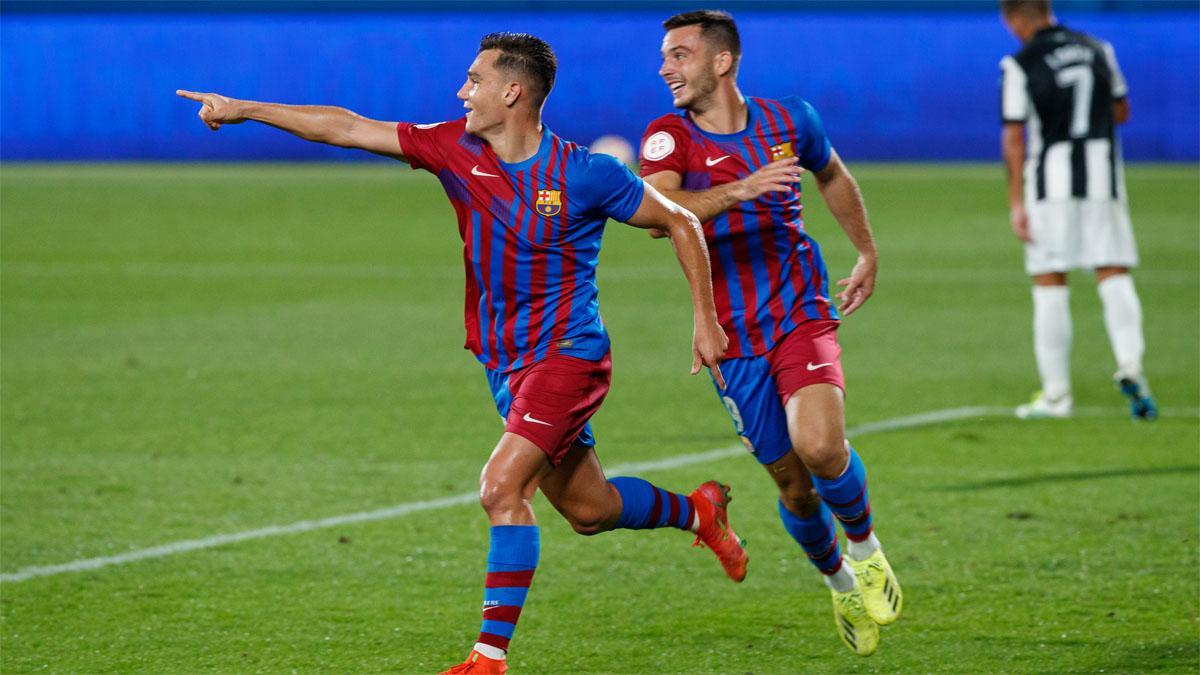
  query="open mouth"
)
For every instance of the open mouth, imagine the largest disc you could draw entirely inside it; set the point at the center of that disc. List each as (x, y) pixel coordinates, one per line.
(676, 87)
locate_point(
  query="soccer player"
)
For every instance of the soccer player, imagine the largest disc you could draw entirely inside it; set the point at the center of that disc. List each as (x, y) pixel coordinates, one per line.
(1066, 194)
(735, 162)
(531, 208)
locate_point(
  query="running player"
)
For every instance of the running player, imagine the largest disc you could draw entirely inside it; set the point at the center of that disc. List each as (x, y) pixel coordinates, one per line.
(735, 162)
(1066, 194)
(531, 208)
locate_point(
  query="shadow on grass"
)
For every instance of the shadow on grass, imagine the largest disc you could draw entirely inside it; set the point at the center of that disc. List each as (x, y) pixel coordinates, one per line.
(1067, 476)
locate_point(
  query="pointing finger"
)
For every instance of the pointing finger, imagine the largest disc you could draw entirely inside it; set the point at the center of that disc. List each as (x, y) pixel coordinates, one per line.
(190, 95)
(716, 373)
(695, 362)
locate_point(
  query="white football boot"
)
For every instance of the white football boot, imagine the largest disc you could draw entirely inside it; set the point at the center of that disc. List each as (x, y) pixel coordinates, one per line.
(1047, 408)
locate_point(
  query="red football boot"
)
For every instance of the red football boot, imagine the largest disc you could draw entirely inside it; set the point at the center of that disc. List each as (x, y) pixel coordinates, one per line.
(478, 664)
(711, 501)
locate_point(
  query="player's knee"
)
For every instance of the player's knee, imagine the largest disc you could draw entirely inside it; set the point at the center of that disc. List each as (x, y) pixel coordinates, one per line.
(587, 523)
(823, 451)
(802, 500)
(497, 496)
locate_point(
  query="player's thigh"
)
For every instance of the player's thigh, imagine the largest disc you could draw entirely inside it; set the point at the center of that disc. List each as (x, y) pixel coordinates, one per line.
(816, 422)
(752, 403)
(1055, 231)
(512, 472)
(1107, 235)
(577, 487)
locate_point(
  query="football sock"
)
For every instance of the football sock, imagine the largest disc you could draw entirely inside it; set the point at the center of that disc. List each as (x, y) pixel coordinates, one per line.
(644, 506)
(1123, 319)
(861, 550)
(511, 561)
(841, 580)
(816, 536)
(1052, 339)
(846, 496)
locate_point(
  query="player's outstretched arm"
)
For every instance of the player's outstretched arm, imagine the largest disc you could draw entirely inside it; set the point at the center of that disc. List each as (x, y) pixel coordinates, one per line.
(709, 342)
(317, 123)
(778, 176)
(845, 202)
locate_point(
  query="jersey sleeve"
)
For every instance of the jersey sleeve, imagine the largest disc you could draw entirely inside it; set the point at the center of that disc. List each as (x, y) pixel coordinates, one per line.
(1014, 95)
(424, 145)
(1120, 89)
(814, 148)
(664, 148)
(607, 187)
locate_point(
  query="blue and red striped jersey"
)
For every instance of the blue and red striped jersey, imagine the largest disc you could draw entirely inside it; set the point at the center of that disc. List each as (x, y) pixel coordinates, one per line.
(531, 239)
(768, 274)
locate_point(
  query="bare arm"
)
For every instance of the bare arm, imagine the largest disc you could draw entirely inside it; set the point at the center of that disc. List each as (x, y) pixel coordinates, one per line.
(1012, 141)
(845, 202)
(317, 123)
(709, 341)
(778, 176)
(1121, 110)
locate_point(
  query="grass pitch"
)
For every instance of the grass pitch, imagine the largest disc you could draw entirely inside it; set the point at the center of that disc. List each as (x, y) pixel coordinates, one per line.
(190, 351)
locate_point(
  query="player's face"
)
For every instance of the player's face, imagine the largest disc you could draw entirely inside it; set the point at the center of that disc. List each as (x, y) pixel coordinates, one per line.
(688, 67)
(483, 93)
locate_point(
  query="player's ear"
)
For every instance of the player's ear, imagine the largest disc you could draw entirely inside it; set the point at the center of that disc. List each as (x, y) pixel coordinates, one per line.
(724, 63)
(512, 93)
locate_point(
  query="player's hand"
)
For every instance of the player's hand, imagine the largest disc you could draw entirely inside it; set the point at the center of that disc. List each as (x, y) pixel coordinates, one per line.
(215, 109)
(709, 343)
(1019, 219)
(778, 176)
(859, 286)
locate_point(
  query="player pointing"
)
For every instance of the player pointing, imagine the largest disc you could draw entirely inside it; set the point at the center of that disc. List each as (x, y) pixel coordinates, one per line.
(531, 208)
(735, 162)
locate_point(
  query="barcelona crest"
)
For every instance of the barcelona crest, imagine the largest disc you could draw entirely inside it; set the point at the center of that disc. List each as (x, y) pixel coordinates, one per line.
(782, 151)
(549, 202)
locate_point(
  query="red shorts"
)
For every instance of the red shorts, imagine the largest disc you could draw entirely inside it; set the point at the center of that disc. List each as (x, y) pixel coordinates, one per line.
(808, 355)
(553, 399)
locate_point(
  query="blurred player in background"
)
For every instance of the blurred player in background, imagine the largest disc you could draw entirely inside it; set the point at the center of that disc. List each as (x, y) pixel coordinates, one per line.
(531, 209)
(735, 162)
(1066, 194)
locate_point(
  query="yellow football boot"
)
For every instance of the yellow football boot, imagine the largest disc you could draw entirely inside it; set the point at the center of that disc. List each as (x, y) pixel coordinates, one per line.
(856, 628)
(880, 591)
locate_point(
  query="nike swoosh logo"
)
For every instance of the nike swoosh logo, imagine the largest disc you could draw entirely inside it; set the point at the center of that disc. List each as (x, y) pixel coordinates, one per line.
(476, 172)
(709, 161)
(818, 366)
(527, 418)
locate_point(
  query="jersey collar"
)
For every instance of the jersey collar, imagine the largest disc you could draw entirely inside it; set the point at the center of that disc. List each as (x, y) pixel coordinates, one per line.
(751, 116)
(542, 151)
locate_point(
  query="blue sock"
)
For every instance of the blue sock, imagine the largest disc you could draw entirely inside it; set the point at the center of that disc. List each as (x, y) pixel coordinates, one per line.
(816, 536)
(644, 506)
(511, 561)
(846, 496)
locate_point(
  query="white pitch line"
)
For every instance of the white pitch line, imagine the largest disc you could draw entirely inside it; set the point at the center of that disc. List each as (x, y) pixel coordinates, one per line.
(892, 424)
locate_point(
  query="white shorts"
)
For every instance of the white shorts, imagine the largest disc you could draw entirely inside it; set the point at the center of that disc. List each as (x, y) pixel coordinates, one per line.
(1079, 234)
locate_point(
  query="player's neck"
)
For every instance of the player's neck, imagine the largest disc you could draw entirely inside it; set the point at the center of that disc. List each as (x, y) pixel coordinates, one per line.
(515, 142)
(726, 112)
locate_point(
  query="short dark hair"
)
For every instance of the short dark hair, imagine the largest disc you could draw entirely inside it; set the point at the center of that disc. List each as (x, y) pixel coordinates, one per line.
(1029, 8)
(527, 56)
(716, 28)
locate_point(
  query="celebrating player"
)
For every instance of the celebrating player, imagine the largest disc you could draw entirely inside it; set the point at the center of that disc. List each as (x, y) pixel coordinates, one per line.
(1066, 194)
(531, 209)
(735, 162)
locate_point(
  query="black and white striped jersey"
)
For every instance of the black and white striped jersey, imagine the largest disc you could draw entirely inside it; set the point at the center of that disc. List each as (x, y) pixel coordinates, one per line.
(1062, 85)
